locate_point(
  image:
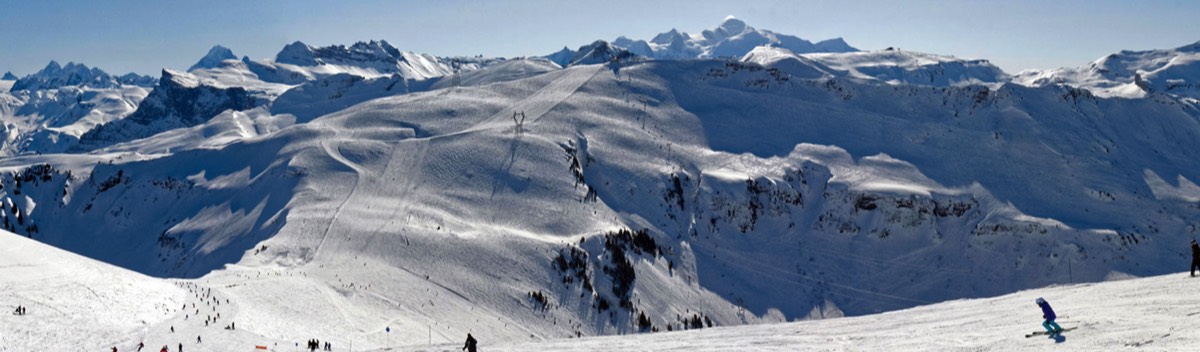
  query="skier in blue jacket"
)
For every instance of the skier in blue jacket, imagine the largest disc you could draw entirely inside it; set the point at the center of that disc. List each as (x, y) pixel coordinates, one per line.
(1048, 314)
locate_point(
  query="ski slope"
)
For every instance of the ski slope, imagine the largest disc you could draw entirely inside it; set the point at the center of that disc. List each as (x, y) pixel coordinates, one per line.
(768, 199)
(76, 303)
(338, 193)
(1147, 314)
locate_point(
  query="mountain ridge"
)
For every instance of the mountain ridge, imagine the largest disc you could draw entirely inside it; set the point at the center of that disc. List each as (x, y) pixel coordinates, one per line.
(613, 193)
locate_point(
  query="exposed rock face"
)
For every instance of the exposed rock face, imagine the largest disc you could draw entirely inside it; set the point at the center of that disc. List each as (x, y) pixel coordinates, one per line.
(179, 100)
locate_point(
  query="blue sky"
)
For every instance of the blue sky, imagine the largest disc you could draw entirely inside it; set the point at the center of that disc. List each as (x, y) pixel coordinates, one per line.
(144, 36)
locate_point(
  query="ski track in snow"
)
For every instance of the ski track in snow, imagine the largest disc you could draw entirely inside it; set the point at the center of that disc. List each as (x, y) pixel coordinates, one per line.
(359, 174)
(1152, 313)
(542, 101)
(473, 262)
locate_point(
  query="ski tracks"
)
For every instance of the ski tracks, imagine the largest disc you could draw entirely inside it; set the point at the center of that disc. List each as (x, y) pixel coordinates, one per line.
(539, 103)
(359, 172)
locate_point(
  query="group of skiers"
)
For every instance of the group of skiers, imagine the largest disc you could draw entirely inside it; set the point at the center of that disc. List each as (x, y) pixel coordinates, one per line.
(20, 310)
(314, 344)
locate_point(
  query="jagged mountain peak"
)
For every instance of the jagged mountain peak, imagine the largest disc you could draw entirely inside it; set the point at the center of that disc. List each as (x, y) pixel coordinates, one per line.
(55, 75)
(297, 53)
(53, 66)
(9, 76)
(599, 51)
(732, 38)
(561, 57)
(669, 37)
(365, 58)
(214, 57)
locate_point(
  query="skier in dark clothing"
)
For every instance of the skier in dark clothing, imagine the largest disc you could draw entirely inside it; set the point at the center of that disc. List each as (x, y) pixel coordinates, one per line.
(1195, 257)
(470, 346)
(1048, 314)
(140, 345)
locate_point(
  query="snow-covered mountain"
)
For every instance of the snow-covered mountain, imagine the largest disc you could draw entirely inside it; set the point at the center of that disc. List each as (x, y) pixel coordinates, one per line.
(518, 199)
(73, 74)
(598, 52)
(215, 57)
(733, 38)
(891, 66)
(180, 100)
(219, 82)
(366, 59)
(1131, 74)
(807, 198)
(47, 111)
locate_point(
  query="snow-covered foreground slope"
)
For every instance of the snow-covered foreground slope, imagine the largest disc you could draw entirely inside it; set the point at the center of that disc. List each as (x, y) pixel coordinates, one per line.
(74, 303)
(1155, 314)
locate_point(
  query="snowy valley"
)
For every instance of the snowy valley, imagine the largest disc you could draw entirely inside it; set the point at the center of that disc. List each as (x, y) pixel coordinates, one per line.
(370, 196)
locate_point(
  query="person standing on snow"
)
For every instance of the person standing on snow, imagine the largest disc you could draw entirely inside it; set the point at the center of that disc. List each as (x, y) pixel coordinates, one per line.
(1048, 314)
(470, 345)
(1195, 257)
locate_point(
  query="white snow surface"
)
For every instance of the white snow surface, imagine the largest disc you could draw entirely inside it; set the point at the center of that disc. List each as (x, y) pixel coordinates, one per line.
(74, 303)
(733, 38)
(891, 66)
(1148, 314)
(1130, 74)
(488, 200)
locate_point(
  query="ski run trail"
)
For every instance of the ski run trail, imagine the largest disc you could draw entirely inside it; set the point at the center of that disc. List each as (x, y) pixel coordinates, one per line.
(75, 303)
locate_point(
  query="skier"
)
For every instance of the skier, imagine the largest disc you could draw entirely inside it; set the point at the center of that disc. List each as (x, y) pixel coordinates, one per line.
(470, 346)
(165, 349)
(197, 338)
(140, 345)
(114, 349)
(1195, 257)
(1048, 314)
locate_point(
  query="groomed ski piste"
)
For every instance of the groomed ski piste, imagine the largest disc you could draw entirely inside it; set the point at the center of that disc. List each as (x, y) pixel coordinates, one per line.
(341, 194)
(74, 303)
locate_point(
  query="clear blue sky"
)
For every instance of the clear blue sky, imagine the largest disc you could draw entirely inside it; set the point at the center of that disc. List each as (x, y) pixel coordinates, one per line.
(143, 36)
